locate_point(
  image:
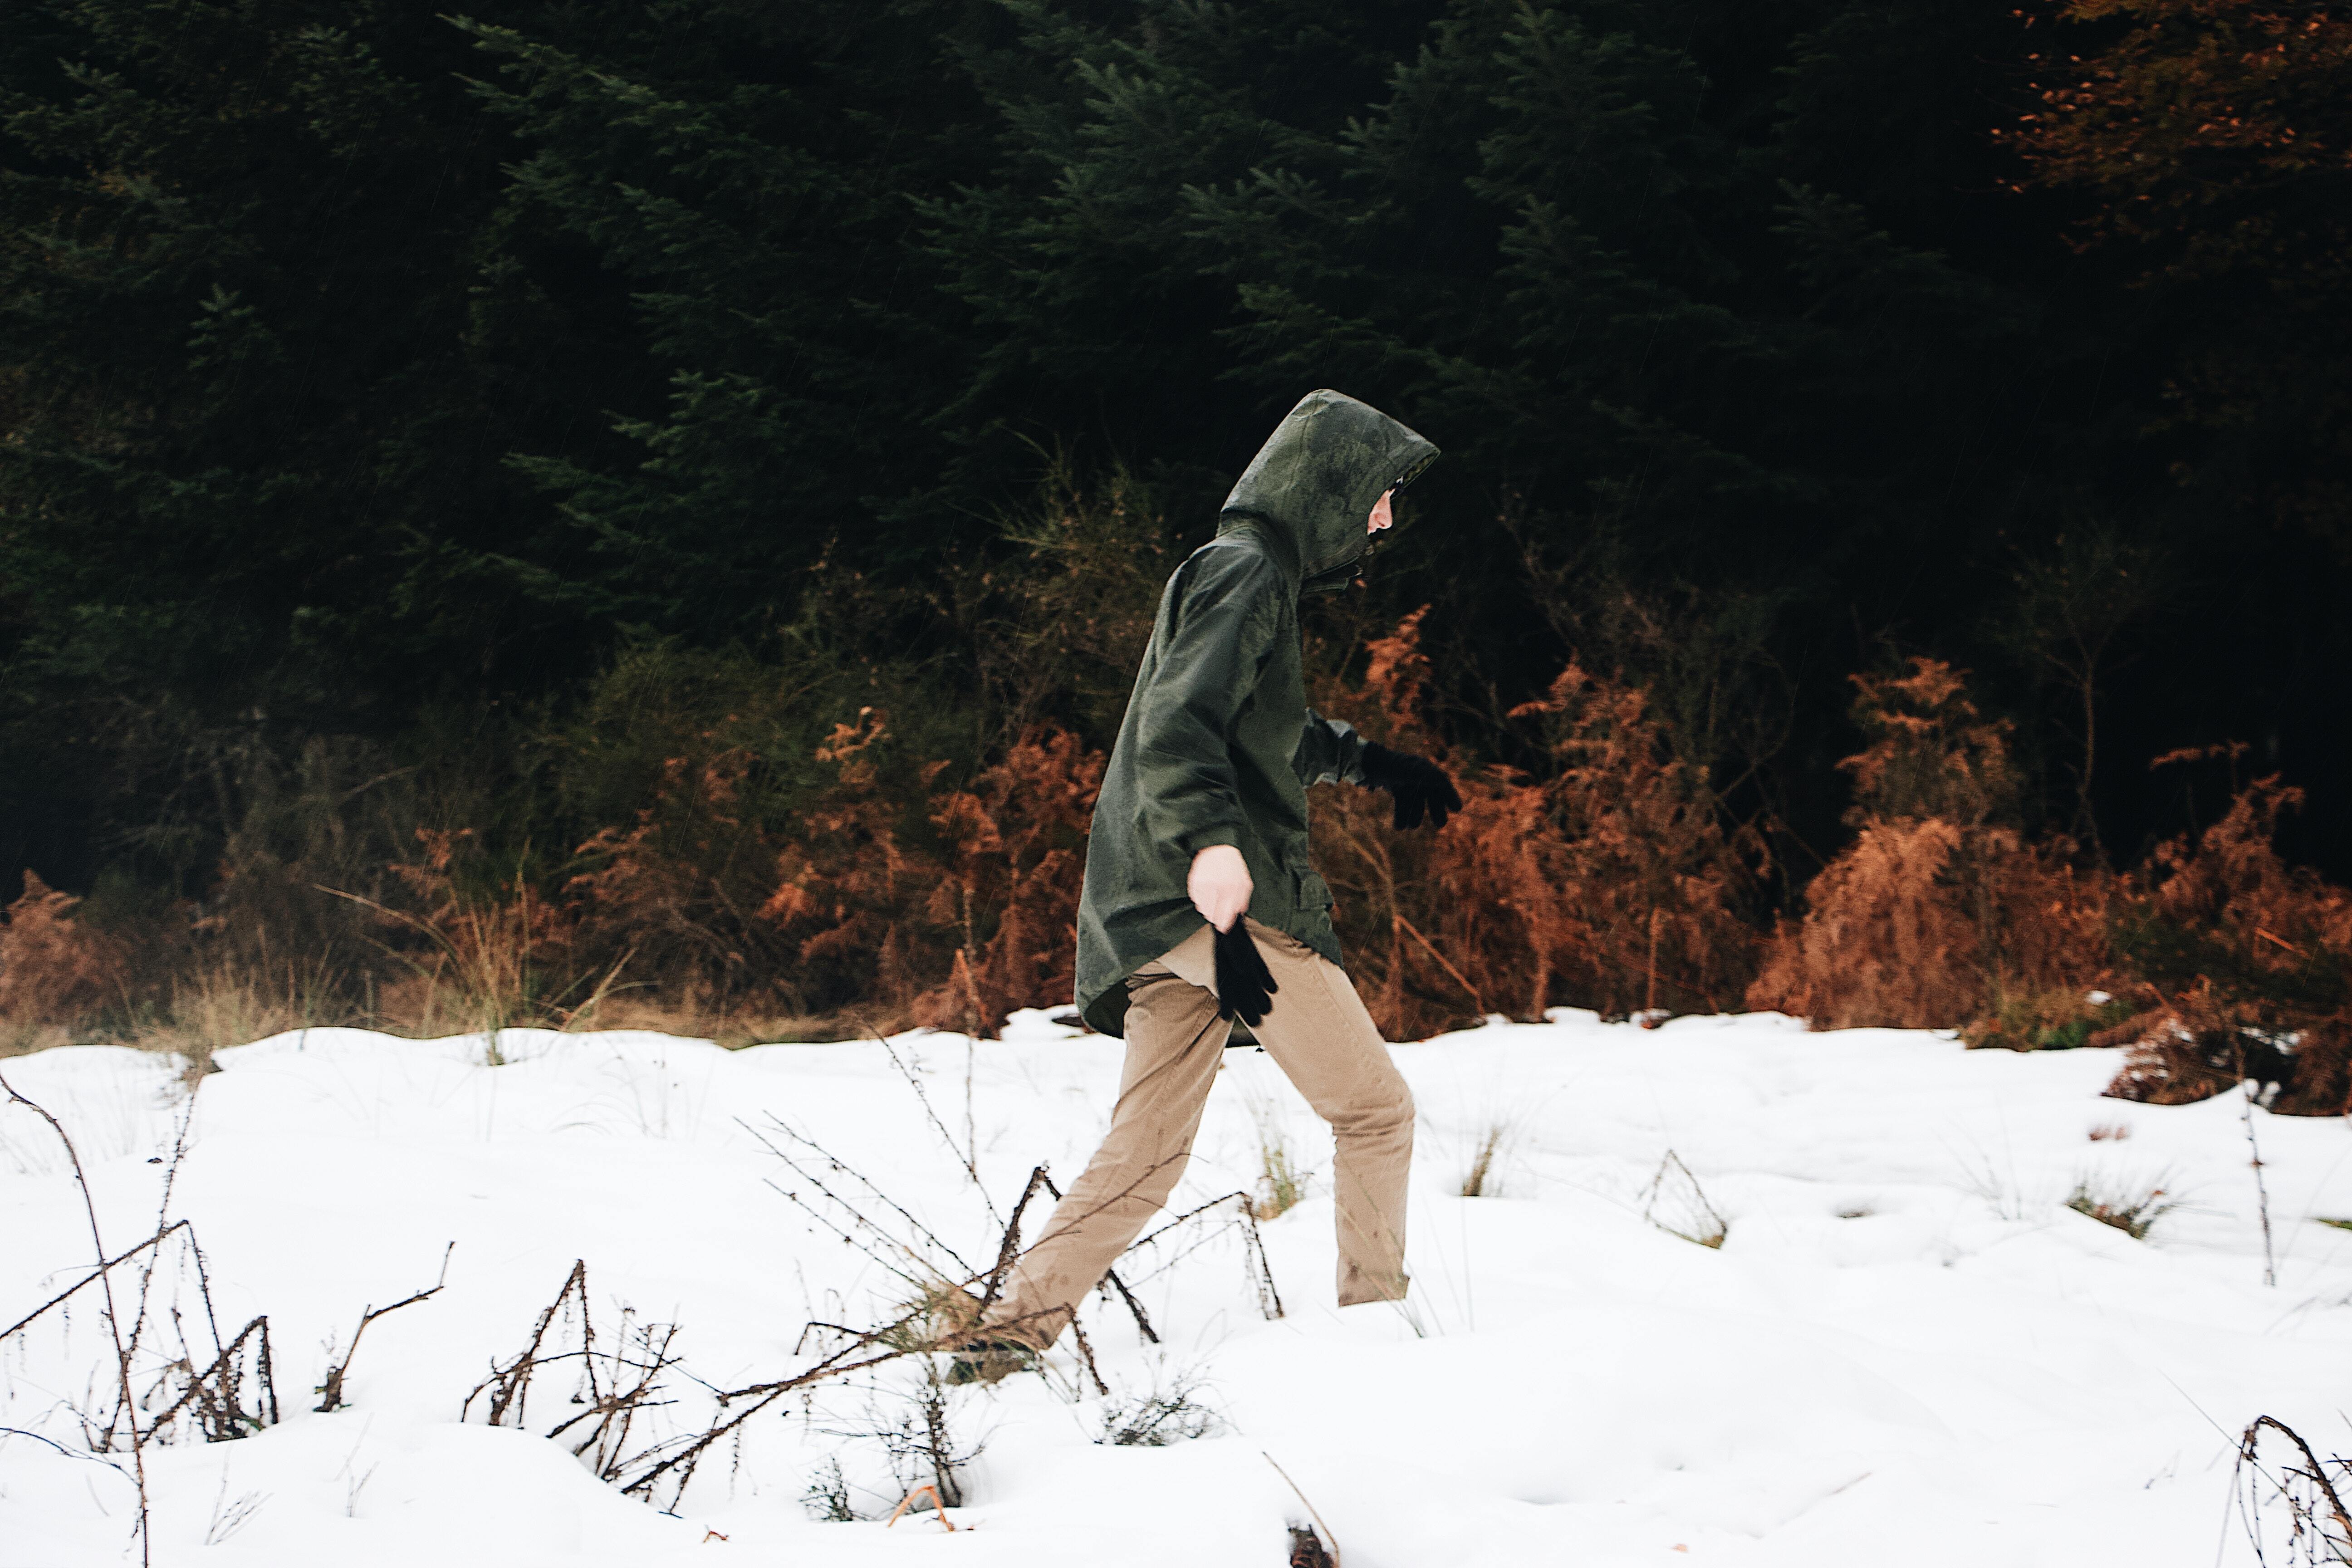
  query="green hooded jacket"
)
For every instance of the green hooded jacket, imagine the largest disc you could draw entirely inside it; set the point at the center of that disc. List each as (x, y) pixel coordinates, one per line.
(1219, 745)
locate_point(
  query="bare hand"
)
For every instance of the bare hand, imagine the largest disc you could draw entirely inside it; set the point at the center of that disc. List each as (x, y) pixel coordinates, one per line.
(1219, 886)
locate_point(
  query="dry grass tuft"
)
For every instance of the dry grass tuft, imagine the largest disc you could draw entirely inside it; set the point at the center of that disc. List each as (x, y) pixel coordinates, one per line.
(1280, 1184)
(2134, 1210)
(2046, 1021)
(1479, 1181)
(1677, 1205)
(1162, 1415)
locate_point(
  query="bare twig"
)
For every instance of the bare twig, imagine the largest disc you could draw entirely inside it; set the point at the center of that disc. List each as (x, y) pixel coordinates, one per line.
(1111, 1282)
(2255, 1153)
(1087, 1356)
(220, 1412)
(60, 1448)
(967, 1158)
(508, 1385)
(93, 1276)
(331, 1390)
(2308, 1529)
(1261, 1271)
(856, 1213)
(1008, 1250)
(1110, 1276)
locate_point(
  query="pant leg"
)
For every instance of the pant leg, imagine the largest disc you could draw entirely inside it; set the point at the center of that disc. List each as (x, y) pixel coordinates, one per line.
(1319, 1034)
(1174, 1043)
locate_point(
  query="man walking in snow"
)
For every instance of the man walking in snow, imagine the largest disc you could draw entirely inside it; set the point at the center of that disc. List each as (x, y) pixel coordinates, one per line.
(1199, 904)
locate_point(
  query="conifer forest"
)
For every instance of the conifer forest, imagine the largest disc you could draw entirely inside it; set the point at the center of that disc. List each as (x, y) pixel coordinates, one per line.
(572, 511)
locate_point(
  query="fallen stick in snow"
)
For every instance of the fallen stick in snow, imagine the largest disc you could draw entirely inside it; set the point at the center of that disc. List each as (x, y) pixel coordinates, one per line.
(938, 1507)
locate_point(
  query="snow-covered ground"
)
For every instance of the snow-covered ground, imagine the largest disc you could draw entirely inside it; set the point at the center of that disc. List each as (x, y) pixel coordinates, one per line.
(1908, 1348)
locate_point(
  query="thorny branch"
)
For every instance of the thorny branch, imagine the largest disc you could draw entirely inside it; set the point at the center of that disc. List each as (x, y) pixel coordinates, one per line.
(331, 1390)
(2308, 1493)
(113, 1319)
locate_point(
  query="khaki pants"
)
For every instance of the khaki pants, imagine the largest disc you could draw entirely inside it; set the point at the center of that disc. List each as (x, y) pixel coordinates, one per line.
(1320, 1035)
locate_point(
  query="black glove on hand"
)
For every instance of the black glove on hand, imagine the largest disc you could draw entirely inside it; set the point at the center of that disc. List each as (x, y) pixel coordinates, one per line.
(1244, 985)
(1418, 785)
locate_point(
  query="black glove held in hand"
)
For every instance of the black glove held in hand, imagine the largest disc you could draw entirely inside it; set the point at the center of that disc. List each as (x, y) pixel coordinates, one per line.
(1244, 985)
(1418, 783)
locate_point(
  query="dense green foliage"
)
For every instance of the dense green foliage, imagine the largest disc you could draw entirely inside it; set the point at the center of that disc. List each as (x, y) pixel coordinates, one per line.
(477, 401)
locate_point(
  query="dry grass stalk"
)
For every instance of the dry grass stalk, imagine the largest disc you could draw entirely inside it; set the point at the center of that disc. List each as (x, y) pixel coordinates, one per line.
(1476, 1181)
(1675, 1188)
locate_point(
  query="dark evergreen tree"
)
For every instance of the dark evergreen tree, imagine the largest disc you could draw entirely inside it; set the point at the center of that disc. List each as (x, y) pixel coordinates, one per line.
(253, 486)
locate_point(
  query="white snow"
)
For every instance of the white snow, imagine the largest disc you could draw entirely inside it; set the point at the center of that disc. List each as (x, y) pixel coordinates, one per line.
(1908, 1348)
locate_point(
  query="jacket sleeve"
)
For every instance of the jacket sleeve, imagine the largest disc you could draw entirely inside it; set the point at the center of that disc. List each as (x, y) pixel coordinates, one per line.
(1329, 752)
(1220, 633)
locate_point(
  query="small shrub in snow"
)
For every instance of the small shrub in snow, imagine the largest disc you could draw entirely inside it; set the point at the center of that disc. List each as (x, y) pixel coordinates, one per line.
(1158, 1418)
(613, 1381)
(2133, 1211)
(2060, 1020)
(1281, 1183)
(229, 1517)
(915, 1425)
(828, 1496)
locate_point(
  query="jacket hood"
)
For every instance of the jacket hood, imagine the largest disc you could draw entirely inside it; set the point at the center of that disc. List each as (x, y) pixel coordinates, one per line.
(1315, 481)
